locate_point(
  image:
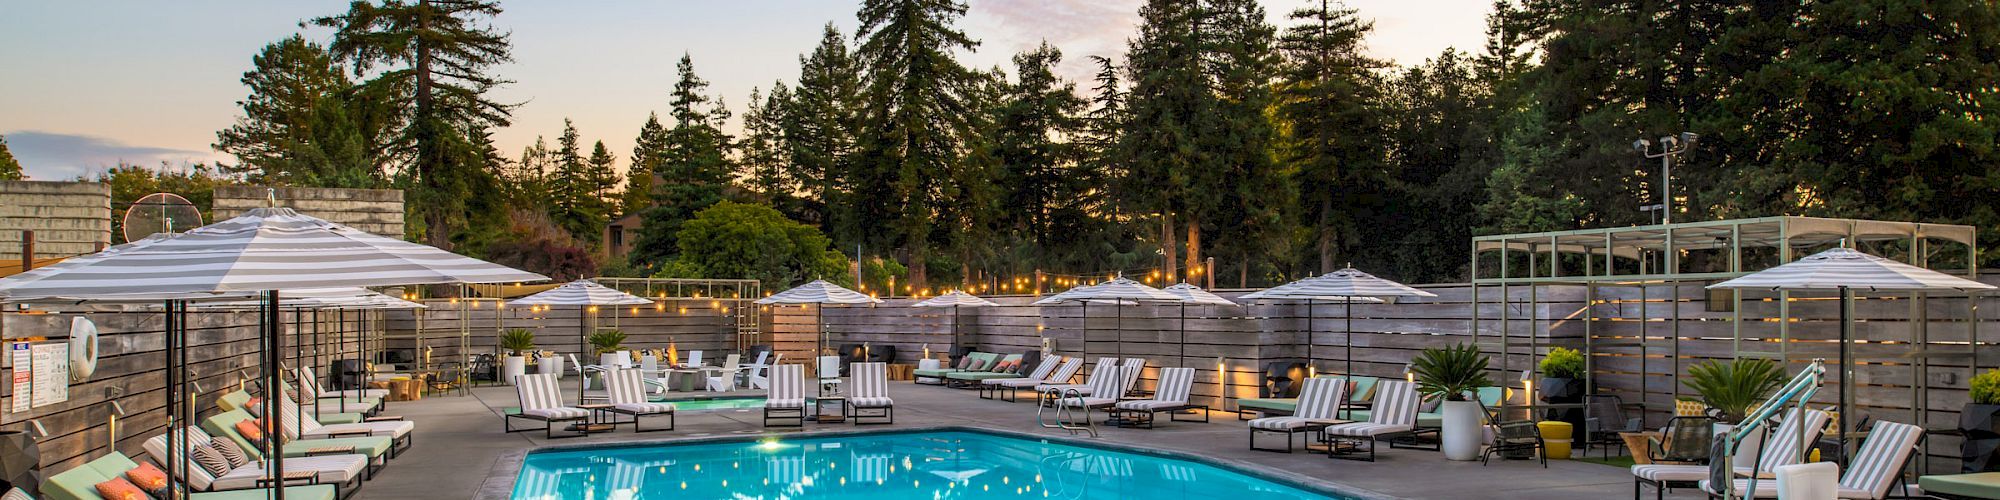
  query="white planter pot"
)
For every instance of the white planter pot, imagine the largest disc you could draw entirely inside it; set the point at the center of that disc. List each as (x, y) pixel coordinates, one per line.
(512, 366)
(1461, 433)
(550, 365)
(610, 359)
(1746, 453)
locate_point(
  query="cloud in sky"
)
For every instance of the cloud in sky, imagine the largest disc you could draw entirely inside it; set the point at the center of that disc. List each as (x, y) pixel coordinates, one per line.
(51, 156)
(1081, 28)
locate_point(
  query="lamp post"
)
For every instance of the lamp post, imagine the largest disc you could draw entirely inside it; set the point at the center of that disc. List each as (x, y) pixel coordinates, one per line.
(1670, 147)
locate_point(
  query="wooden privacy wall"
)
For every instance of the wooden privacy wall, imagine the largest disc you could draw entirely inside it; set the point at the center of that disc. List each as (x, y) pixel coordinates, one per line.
(223, 350)
(688, 324)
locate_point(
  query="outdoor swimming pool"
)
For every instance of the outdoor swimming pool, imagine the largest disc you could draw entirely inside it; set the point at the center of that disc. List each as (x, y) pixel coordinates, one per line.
(880, 466)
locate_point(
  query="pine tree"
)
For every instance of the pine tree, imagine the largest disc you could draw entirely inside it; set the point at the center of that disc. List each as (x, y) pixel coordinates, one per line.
(1035, 136)
(570, 187)
(527, 180)
(429, 58)
(296, 128)
(601, 177)
(1330, 104)
(694, 165)
(648, 150)
(763, 153)
(914, 117)
(10, 169)
(1242, 192)
(819, 125)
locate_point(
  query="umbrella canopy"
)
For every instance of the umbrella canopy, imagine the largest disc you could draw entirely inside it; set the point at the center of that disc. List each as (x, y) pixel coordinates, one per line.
(264, 249)
(1195, 296)
(819, 292)
(320, 298)
(1118, 290)
(581, 293)
(1338, 286)
(955, 298)
(1847, 268)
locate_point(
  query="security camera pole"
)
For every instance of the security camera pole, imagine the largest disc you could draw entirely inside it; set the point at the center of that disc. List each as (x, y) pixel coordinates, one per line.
(1670, 146)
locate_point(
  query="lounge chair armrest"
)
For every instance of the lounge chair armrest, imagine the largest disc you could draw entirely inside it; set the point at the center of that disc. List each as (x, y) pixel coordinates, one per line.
(354, 433)
(299, 476)
(330, 450)
(384, 418)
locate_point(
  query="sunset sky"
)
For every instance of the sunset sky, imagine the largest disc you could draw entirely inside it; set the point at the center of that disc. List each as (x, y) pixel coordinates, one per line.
(93, 83)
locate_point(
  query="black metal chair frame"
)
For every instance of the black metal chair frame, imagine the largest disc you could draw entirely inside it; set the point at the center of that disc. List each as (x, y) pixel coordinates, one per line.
(856, 413)
(1290, 436)
(1143, 419)
(672, 420)
(1660, 487)
(548, 425)
(797, 415)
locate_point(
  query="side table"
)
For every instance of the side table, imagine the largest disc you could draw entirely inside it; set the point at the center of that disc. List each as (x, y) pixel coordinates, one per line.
(837, 403)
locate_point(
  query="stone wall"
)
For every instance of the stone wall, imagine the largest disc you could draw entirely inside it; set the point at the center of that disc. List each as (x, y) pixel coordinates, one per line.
(68, 218)
(378, 211)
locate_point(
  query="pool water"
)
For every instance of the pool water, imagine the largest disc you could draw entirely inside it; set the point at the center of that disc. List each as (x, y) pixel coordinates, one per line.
(716, 404)
(901, 465)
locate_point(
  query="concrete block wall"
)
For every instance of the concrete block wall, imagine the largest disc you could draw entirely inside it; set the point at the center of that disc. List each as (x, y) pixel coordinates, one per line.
(68, 218)
(378, 211)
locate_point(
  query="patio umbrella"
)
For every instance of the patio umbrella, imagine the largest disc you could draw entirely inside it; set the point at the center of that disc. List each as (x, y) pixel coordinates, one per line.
(1844, 270)
(1346, 286)
(300, 299)
(1191, 294)
(1117, 291)
(264, 250)
(954, 299)
(586, 295)
(819, 292)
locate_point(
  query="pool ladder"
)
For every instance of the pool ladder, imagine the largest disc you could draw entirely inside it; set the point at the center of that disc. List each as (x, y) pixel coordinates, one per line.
(1065, 416)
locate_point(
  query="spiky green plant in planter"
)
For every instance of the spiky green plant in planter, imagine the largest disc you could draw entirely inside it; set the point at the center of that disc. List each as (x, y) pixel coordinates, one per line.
(517, 340)
(608, 340)
(1450, 372)
(1733, 388)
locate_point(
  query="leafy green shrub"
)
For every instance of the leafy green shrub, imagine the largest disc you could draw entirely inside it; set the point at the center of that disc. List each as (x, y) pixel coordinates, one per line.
(1986, 388)
(1451, 372)
(608, 340)
(1733, 388)
(517, 340)
(1563, 362)
(747, 241)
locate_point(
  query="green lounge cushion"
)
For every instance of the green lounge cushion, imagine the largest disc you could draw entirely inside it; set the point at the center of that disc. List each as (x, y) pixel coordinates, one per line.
(980, 375)
(935, 373)
(1424, 420)
(1976, 485)
(80, 483)
(224, 425)
(1286, 405)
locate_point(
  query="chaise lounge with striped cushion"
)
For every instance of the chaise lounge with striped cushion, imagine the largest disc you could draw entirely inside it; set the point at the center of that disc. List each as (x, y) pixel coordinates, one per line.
(1319, 406)
(344, 471)
(302, 425)
(541, 401)
(871, 394)
(787, 399)
(1781, 448)
(1876, 468)
(1008, 389)
(1041, 372)
(1394, 412)
(627, 389)
(1171, 397)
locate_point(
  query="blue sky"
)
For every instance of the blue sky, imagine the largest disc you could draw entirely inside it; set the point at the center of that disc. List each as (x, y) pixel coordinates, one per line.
(93, 83)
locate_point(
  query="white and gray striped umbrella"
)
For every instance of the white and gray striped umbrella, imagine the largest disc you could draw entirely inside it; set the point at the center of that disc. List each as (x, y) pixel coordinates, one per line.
(1195, 296)
(955, 298)
(1119, 291)
(819, 292)
(1337, 286)
(318, 298)
(1848, 268)
(581, 293)
(265, 249)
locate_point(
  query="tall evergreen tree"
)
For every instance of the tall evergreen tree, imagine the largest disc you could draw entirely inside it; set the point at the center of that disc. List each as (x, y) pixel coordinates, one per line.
(432, 57)
(819, 124)
(296, 128)
(572, 189)
(914, 119)
(648, 150)
(1331, 106)
(762, 153)
(1243, 194)
(10, 168)
(1035, 142)
(527, 179)
(602, 179)
(693, 168)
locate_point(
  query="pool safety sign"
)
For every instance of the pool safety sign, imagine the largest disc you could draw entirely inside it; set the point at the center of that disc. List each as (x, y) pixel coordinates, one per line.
(40, 376)
(20, 357)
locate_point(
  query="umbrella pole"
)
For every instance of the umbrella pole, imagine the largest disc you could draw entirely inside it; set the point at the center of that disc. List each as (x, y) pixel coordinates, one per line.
(1312, 364)
(174, 452)
(1846, 370)
(272, 331)
(1347, 310)
(583, 351)
(1180, 359)
(954, 331)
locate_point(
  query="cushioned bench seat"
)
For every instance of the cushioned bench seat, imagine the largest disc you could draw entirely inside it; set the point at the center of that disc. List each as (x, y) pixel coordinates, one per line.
(1977, 485)
(224, 425)
(80, 483)
(1269, 405)
(938, 374)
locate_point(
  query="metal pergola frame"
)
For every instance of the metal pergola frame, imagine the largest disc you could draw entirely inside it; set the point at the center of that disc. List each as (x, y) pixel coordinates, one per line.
(1659, 255)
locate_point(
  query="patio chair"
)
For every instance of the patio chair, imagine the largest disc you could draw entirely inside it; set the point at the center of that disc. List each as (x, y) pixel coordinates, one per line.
(787, 400)
(1510, 438)
(541, 400)
(343, 471)
(1685, 439)
(583, 373)
(1319, 404)
(1107, 388)
(1605, 420)
(760, 377)
(651, 374)
(1876, 468)
(1105, 366)
(300, 425)
(750, 370)
(1394, 412)
(871, 393)
(628, 397)
(988, 389)
(1171, 398)
(1134, 368)
(725, 380)
(694, 358)
(1778, 450)
(310, 388)
(378, 449)
(828, 368)
(80, 483)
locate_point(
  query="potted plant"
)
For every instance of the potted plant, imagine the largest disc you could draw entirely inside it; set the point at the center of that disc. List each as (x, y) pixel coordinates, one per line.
(1454, 374)
(1731, 390)
(516, 342)
(610, 346)
(1562, 383)
(1979, 420)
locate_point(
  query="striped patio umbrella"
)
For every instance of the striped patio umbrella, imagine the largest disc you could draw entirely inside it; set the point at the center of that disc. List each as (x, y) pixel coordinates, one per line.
(264, 250)
(1117, 291)
(955, 299)
(819, 292)
(1346, 286)
(1194, 295)
(586, 296)
(1844, 270)
(317, 298)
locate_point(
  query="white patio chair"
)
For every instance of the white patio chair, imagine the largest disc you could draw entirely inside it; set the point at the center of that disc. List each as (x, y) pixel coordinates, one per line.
(787, 400)
(871, 393)
(760, 378)
(829, 375)
(725, 379)
(1171, 397)
(1394, 411)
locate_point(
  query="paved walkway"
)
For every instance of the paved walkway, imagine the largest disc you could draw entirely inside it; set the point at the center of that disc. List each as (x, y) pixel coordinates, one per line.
(460, 451)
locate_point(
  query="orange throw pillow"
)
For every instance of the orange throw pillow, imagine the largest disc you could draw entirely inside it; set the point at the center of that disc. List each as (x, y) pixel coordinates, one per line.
(251, 432)
(120, 489)
(150, 478)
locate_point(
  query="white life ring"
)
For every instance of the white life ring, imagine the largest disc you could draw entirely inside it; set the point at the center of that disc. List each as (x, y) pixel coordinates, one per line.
(82, 349)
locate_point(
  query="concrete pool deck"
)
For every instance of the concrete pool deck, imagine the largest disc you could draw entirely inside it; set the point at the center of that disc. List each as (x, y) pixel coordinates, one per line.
(460, 451)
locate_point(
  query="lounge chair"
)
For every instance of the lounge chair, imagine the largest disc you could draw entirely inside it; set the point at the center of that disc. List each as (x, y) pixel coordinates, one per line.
(80, 483)
(242, 400)
(1271, 406)
(1319, 405)
(871, 393)
(936, 376)
(828, 368)
(1779, 448)
(1170, 397)
(694, 358)
(1394, 412)
(760, 376)
(749, 372)
(1875, 469)
(1134, 367)
(309, 387)
(541, 401)
(992, 371)
(343, 471)
(1104, 366)
(1108, 387)
(627, 390)
(725, 380)
(378, 449)
(1053, 370)
(787, 400)
(301, 425)
(1511, 438)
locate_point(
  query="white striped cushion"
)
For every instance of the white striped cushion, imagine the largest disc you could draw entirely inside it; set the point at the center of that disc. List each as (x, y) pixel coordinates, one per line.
(1047, 366)
(787, 384)
(1395, 404)
(1881, 458)
(557, 413)
(871, 380)
(1149, 404)
(332, 469)
(785, 403)
(1133, 367)
(645, 408)
(625, 386)
(197, 478)
(393, 428)
(16, 494)
(538, 391)
(308, 383)
(859, 402)
(1781, 447)
(1365, 429)
(1284, 423)
(1088, 402)
(1320, 398)
(1667, 472)
(1175, 383)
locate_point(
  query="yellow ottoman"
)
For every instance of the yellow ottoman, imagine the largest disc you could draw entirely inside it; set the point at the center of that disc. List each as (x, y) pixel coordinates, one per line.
(1556, 438)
